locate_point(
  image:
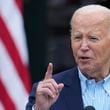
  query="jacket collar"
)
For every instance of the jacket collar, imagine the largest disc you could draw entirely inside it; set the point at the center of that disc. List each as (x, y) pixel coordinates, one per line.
(67, 77)
(72, 89)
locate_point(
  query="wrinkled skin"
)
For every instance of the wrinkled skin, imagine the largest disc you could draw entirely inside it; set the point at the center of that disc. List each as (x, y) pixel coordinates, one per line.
(90, 40)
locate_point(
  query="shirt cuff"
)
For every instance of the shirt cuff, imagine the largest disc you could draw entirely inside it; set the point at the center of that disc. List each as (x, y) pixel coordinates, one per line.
(34, 107)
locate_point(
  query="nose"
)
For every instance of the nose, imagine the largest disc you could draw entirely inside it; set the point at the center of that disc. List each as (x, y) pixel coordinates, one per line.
(84, 45)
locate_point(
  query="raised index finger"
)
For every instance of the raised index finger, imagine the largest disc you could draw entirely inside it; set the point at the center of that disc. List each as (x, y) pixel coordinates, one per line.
(49, 71)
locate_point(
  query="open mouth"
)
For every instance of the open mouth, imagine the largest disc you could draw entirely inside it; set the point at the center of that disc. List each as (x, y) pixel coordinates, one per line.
(84, 58)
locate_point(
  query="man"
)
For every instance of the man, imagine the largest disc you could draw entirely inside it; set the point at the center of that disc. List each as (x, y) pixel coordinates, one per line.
(88, 84)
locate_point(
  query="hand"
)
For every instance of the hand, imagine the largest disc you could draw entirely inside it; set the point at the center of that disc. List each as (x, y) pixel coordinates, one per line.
(48, 90)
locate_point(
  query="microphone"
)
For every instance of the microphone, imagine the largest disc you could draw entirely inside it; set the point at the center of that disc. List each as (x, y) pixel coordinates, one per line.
(89, 108)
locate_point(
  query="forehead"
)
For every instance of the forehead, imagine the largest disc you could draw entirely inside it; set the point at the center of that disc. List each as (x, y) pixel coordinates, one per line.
(92, 21)
(89, 18)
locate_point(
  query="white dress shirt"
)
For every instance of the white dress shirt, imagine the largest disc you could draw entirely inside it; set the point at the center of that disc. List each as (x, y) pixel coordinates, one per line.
(96, 94)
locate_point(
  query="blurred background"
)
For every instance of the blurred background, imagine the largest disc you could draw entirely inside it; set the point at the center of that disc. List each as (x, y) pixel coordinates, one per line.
(32, 34)
(47, 25)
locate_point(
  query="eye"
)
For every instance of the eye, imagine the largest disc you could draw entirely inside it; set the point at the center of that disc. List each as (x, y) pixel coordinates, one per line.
(76, 38)
(94, 38)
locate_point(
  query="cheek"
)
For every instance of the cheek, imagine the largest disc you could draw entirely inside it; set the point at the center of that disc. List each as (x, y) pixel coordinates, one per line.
(106, 54)
(103, 53)
(105, 49)
(74, 49)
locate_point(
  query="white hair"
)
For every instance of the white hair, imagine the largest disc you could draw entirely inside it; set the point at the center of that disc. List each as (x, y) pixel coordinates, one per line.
(90, 9)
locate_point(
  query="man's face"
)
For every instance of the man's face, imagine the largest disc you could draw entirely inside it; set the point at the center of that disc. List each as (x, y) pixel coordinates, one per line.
(90, 42)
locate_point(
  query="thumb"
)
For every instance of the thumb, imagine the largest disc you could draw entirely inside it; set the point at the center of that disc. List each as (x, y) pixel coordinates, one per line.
(60, 87)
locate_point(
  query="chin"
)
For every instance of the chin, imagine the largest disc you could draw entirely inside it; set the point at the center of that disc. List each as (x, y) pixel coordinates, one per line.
(85, 69)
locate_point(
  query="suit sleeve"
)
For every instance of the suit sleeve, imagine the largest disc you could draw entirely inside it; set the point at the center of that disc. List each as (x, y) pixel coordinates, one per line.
(31, 99)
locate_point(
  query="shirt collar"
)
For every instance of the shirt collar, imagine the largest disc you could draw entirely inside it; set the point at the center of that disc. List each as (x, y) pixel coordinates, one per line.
(84, 80)
(106, 84)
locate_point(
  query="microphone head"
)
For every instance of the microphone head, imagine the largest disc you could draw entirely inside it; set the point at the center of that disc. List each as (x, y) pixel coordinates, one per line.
(89, 108)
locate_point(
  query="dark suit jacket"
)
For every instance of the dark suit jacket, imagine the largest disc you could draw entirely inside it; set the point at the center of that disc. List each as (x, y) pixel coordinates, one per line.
(70, 97)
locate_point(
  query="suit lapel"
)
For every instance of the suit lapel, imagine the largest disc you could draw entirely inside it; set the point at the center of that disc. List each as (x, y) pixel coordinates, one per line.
(70, 97)
(72, 92)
